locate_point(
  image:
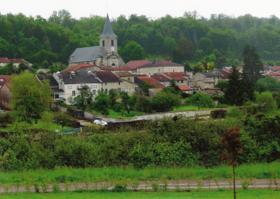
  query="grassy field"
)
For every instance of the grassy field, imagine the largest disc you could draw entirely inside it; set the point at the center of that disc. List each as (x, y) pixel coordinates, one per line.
(60, 175)
(241, 194)
(26, 126)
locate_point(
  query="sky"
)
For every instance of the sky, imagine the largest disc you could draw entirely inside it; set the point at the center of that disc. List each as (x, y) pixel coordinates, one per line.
(153, 9)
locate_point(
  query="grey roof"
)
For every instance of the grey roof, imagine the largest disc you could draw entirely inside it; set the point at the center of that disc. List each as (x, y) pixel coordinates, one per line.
(108, 31)
(211, 75)
(86, 54)
(53, 82)
(79, 78)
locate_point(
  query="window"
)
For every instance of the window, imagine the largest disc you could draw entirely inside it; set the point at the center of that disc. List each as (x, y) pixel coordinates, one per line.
(93, 86)
(70, 86)
(182, 81)
(119, 90)
(73, 93)
(112, 42)
(94, 92)
(128, 78)
(126, 90)
(119, 83)
(113, 64)
(105, 83)
(132, 90)
(178, 81)
(56, 96)
(103, 43)
(106, 91)
(78, 86)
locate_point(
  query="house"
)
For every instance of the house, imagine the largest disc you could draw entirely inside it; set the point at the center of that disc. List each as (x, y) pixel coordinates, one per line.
(136, 63)
(180, 78)
(154, 91)
(206, 80)
(158, 66)
(70, 83)
(104, 55)
(274, 75)
(223, 72)
(81, 68)
(57, 92)
(186, 89)
(16, 62)
(144, 79)
(161, 79)
(124, 75)
(5, 91)
(110, 81)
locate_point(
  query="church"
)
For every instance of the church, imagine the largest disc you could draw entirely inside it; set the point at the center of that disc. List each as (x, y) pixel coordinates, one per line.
(104, 55)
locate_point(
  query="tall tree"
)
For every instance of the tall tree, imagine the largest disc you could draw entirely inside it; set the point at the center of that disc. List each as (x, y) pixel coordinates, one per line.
(233, 93)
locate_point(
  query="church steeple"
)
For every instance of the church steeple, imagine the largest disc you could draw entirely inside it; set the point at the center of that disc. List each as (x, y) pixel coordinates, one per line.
(108, 31)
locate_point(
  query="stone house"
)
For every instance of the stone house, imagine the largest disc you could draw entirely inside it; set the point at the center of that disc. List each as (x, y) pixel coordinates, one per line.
(144, 79)
(206, 80)
(186, 89)
(161, 79)
(16, 62)
(180, 78)
(104, 55)
(125, 76)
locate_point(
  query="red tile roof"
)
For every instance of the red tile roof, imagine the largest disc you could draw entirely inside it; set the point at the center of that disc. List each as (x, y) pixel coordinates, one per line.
(160, 78)
(276, 68)
(185, 88)
(273, 74)
(136, 64)
(176, 76)
(116, 69)
(150, 81)
(4, 79)
(18, 60)
(68, 70)
(4, 60)
(239, 68)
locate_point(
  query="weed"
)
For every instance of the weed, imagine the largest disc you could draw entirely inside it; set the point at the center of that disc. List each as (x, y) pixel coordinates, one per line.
(199, 184)
(165, 183)
(217, 183)
(245, 184)
(27, 186)
(36, 187)
(134, 184)
(155, 186)
(55, 188)
(120, 187)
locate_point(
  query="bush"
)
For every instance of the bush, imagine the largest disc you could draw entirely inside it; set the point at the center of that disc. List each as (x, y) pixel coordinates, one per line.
(117, 107)
(201, 100)
(234, 112)
(120, 187)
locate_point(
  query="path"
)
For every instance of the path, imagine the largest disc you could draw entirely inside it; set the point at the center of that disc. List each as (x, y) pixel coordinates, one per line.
(182, 184)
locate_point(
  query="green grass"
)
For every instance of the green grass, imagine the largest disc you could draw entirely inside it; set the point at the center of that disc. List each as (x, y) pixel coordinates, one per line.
(60, 175)
(26, 126)
(115, 114)
(241, 194)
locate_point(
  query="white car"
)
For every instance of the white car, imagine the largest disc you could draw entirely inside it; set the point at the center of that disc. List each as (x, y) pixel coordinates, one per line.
(100, 122)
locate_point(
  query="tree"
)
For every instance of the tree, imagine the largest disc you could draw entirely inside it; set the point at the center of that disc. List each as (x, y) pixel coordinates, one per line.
(84, 99)
(267, 84)
(222, 84)
(126, 101)
(233, 93)
(102, 103)
(132, 51)
(206, 45)
(165, 101)
(252, 65)
(29, 96)
(266, 103)
(201, 100)
(175, 89)
(113, 95)
(232, 139)
(143, 104)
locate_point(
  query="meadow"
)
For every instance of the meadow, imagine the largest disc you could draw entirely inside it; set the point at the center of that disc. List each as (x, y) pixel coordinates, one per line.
(241, 194)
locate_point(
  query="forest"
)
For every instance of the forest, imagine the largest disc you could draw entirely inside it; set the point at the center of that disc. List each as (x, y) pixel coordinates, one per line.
(187, 39)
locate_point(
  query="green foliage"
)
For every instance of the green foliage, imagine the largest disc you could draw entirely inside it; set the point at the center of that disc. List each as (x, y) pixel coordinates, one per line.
(234, 113)
(132, 51)
(84, 99)
(143, 104)
(267, 84)
(233, 93)
(29, 96)
(266, 103)
(165, 101)
(222, 84)
(47, 118)
(101, 103)
(201, 100)
(113, 95)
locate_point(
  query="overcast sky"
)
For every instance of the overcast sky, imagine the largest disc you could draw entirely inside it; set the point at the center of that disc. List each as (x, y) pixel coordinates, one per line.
(151, 8)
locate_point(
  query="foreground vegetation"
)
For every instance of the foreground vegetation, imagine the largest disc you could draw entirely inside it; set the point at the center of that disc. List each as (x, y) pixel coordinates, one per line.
(241, 194)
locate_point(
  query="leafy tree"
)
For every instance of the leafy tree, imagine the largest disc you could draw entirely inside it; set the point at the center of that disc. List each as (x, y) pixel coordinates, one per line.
(126, 101)
(266, 102)
(102, 103)
(84, 99)
(143, 104)
(22, 67)
(201, 100)
(165, 101)
(29, 96)
(174, 88)
(206, 45)
(132, 51)
(232, 140)
(233, 93)
(61, 118)
(113, 95)
(267, 84)
(47, 118)
(169, 45)
(222, 84)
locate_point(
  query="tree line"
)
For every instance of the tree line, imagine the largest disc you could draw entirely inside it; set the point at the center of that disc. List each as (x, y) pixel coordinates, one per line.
(219, 39)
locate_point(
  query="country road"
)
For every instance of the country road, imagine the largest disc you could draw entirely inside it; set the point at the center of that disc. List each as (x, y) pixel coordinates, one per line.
(182, 184)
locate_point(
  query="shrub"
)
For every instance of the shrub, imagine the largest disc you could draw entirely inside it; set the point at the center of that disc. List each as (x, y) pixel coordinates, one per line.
(201, 100)
(234, 112)
(155, 186)
(120, 187)
(245, 184)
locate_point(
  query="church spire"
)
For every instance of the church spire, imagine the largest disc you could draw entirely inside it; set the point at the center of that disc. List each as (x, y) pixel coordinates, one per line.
(108, 31)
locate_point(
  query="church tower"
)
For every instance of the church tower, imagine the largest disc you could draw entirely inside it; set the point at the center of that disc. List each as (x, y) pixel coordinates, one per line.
(108, 41)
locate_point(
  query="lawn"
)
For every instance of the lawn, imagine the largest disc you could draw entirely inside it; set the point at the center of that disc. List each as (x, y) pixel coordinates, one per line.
(40, 125)
(241, 194)
(115, 114)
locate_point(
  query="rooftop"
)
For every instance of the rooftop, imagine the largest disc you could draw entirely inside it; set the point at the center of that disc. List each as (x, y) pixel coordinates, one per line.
(150, 81)
(4, 60)
(86, 54)
(123, 74)
(79, 78)
(160, 78)
(185, 88)
(107, 76)
(4, 79)
(273, 74)
(136, 63)
(210, 75)
(176, 76)
(159, 63)
(51, 79)
(69, 69)
(108, 31)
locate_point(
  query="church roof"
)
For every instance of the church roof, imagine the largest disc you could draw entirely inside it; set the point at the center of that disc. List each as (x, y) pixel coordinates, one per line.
(86, 54)
(108, 31)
